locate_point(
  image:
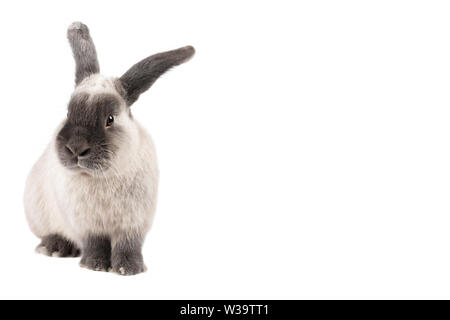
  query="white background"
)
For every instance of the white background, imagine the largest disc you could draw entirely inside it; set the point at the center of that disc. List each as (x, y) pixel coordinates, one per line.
(304, 150)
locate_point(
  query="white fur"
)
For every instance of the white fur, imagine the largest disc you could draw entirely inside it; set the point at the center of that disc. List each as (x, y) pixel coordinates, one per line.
(119, 202)
(96, 83)
(42, 250)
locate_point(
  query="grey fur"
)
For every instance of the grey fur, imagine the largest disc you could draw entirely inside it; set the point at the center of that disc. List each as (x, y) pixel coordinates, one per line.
(126, 257)
(84, 134)
(56, 245)
(96, 253)
(84, 52)
(143, 74)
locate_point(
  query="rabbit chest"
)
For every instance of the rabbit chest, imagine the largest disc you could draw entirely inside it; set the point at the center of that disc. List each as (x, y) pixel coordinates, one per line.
(107, 205)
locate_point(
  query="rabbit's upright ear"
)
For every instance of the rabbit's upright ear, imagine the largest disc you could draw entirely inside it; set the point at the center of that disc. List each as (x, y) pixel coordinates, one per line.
(143, 74)
(83, 48)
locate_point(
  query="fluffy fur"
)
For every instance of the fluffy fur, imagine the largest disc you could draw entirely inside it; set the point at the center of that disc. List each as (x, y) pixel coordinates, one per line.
(104, 203)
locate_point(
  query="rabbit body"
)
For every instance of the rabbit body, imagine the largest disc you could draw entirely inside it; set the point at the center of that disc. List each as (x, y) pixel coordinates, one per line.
(93, 191)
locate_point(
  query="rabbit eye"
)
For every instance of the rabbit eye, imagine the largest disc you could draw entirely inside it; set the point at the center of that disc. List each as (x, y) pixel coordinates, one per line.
(109, 120)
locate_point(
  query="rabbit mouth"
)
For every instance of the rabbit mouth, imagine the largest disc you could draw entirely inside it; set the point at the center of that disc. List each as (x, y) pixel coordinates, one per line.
(91, 167)
(85, 168)
(77, 167)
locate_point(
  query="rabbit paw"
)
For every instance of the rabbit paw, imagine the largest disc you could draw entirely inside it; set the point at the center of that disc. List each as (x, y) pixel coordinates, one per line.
(128, 265)
(58, 246)
(95, 263)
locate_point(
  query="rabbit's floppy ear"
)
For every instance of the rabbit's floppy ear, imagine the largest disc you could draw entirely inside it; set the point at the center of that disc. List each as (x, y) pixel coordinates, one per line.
(143, 74)
(83, 48)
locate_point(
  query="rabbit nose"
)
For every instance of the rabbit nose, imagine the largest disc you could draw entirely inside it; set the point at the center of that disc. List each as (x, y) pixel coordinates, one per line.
(84, 153)
(79, 151)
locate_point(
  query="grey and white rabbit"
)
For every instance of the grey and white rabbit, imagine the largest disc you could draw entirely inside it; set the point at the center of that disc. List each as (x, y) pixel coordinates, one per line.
(93, 191)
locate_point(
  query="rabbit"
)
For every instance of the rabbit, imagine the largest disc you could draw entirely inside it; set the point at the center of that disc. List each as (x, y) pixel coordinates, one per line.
(93, 191)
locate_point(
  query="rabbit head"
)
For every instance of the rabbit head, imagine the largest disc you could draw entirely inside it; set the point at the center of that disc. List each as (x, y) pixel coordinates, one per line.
(99, 128)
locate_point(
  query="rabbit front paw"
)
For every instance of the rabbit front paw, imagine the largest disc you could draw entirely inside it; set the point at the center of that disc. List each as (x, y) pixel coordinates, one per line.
(98, 263)
(128, 264)
(96, 253)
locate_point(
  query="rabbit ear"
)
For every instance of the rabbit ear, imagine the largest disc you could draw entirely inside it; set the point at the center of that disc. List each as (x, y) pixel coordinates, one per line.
(143, 74)
(83, 51)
